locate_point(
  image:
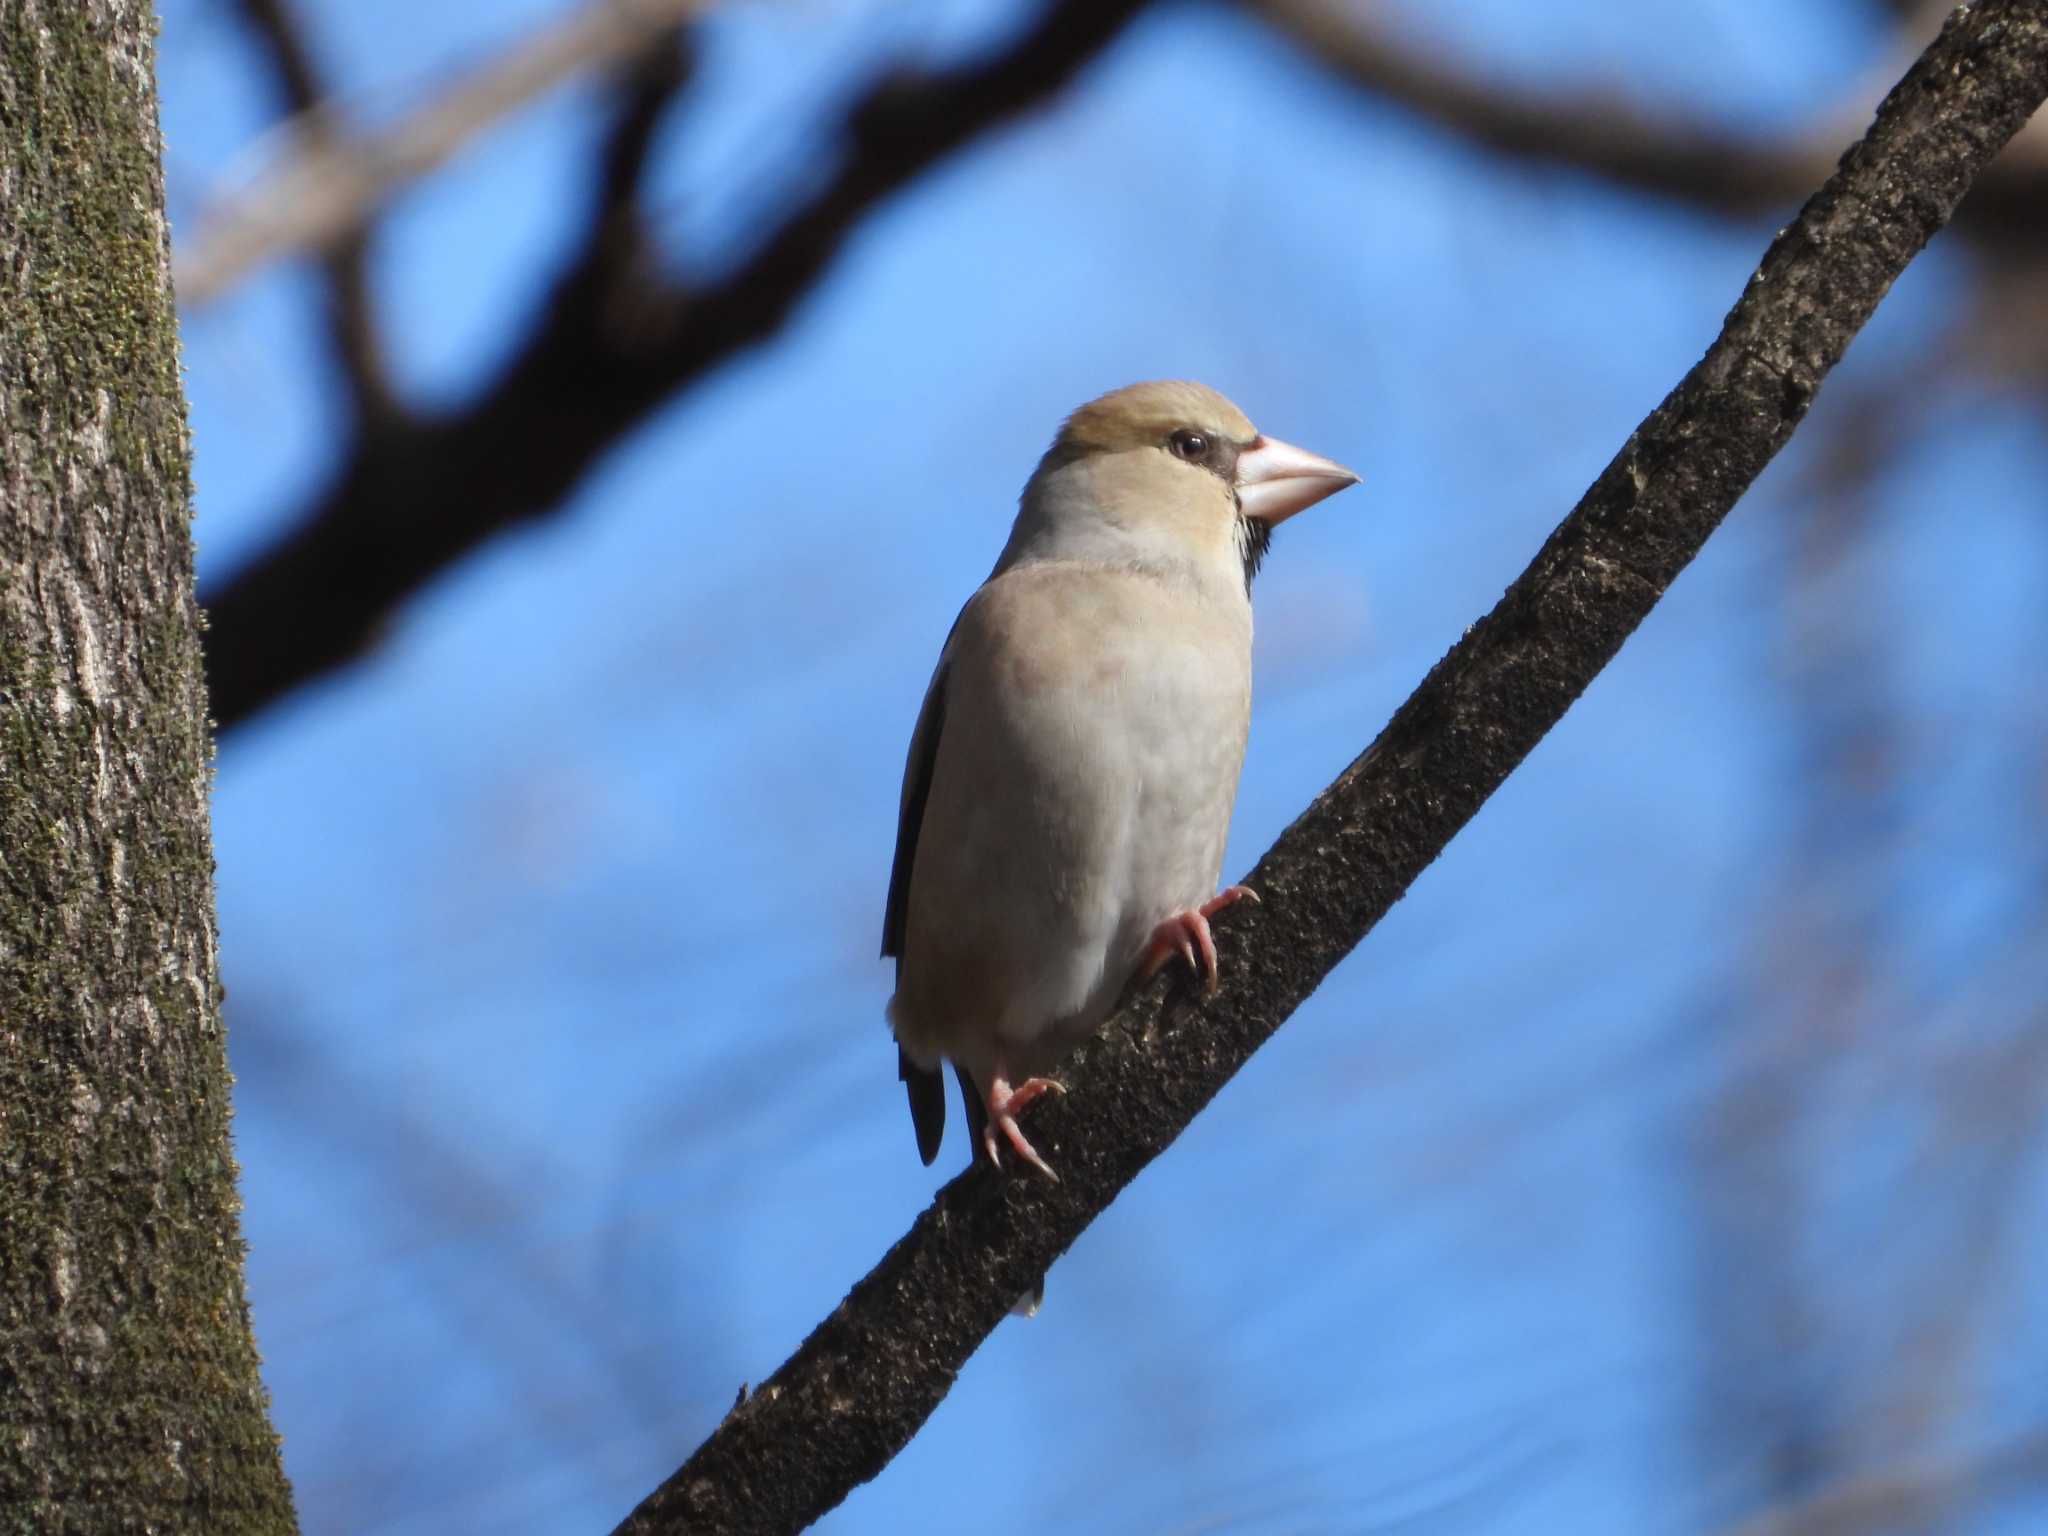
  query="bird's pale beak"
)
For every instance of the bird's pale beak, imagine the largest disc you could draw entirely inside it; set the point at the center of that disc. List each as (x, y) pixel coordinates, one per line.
(1275, 480)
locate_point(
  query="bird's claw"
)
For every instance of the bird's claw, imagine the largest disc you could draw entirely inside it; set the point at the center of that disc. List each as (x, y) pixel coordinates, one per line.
(1187, 933)
(1004, 1105)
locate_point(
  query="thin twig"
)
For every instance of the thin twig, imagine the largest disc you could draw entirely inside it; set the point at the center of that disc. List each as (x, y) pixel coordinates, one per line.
(328, 183)
(352, 317)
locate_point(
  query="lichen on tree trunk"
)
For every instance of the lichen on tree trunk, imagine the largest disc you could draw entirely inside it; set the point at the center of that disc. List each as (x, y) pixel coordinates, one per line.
(129, 1393)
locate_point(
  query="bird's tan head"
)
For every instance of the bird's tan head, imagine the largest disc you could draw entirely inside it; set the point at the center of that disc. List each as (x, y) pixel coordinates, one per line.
(1158, 415)
(1168, 467)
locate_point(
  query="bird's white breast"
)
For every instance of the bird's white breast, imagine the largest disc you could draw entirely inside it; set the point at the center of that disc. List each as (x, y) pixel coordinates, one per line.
(1094, 729)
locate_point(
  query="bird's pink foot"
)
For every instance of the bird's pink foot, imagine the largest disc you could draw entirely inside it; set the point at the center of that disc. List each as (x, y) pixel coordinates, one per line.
(1005, 1104)
(1187, 934)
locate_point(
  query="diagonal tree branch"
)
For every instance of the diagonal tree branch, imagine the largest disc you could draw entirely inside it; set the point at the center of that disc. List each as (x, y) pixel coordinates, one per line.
(864, 1382)
(614, 343)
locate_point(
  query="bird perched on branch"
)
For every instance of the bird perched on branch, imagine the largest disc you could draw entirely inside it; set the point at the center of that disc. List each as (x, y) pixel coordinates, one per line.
(1072, 772)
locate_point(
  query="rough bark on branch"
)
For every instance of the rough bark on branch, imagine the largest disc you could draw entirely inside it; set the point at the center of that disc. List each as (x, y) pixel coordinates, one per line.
(129, 1395)
(865, 1380)
(616, 341)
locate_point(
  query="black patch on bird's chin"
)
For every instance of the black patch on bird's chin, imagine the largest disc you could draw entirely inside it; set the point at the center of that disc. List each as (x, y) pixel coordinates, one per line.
(1254, 538)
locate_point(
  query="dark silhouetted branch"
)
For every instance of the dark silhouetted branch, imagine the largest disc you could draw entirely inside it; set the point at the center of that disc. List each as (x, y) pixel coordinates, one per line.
(872, 1372)
(614, 343)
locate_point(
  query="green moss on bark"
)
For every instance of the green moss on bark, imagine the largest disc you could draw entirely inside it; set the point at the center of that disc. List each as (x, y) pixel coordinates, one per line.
(129, 1393)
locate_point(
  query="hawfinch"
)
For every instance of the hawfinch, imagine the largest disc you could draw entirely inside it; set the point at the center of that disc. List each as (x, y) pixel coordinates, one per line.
(1071, 775)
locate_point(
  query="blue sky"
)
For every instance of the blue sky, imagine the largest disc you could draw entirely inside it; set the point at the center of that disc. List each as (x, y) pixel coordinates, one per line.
(565, 1101)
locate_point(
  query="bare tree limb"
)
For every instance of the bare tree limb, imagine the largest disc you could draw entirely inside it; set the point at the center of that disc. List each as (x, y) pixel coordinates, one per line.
(614, 343)
(864, 1382)
(1599, 132)
(352, 317)
(328, 184)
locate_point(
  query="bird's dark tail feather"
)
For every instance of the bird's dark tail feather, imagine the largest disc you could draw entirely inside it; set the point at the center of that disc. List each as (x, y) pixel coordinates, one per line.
(977, 1112)
(927, 1092)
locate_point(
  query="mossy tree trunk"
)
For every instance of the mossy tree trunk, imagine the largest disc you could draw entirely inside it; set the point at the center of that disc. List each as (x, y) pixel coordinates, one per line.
(129, 1395)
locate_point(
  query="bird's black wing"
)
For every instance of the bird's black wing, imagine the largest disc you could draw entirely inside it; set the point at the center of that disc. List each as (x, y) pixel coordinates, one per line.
(927, 1090)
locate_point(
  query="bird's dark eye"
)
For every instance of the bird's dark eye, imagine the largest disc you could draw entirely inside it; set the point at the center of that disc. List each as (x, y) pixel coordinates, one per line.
(1192, 446)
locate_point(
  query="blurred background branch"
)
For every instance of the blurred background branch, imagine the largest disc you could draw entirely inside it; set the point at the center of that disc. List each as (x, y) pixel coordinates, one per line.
(1608, 134)
(344, 246)
(1911, 1497)
(617, 339)
(327, 181)
(1601, 132)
